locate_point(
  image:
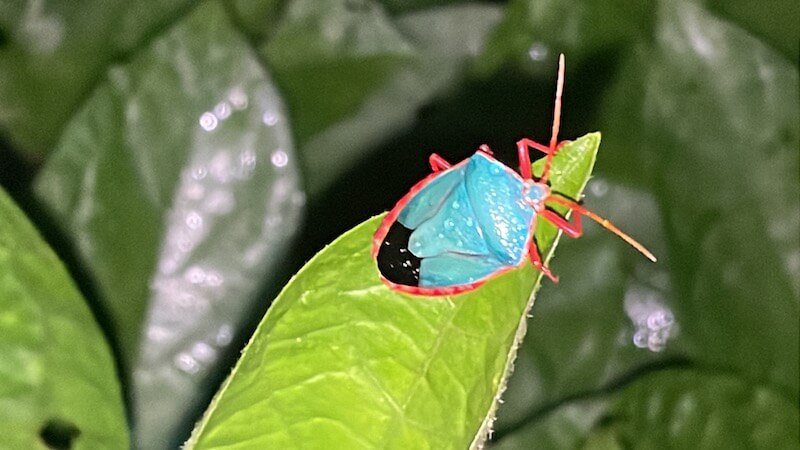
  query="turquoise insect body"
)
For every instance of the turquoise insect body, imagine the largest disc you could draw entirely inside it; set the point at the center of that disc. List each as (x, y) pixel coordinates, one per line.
(466, 223)
(469, 222)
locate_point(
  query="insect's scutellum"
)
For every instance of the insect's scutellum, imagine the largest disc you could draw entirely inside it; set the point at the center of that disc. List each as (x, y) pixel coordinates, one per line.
(466, 223)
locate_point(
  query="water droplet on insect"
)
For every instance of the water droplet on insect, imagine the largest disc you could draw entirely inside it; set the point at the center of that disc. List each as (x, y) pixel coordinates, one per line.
(494, 170)
(538, 51)
(449, 223)
(208, 121)
(456, 205)
(468, 221)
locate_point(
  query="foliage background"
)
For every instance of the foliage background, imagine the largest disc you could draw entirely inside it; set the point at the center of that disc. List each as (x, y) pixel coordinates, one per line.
(324, 113)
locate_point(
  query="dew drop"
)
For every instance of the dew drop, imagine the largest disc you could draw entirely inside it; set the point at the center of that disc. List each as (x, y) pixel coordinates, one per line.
(538, 51)
(186, 363)
(203, 352)
(279, 158)
(194, 220)
(199, 172)
(208, 121)
(224, 335)
(238, 98)
(222, 110)
(195, 275)
(269, 118)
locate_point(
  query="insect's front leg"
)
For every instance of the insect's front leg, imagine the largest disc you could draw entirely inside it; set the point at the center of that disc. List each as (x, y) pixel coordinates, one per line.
(524, 155)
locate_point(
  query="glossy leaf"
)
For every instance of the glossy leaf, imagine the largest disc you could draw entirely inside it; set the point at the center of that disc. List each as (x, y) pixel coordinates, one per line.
(179, 184)
(699, 140)
(58, 384)
(52, 54)
(353, 76)
(671, 408)
(341, 359)
(726, 186)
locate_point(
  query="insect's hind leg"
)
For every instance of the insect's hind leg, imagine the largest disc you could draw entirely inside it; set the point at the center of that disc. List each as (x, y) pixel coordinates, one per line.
(438, 163)
(536, 261)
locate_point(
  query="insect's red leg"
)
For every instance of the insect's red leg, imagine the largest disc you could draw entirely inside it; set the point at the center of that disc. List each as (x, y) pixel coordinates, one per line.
(573, 228)
(536, 261)
(438, 163)
(525, 156)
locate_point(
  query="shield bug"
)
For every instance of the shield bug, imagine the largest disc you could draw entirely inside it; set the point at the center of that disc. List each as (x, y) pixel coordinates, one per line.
(469, 222)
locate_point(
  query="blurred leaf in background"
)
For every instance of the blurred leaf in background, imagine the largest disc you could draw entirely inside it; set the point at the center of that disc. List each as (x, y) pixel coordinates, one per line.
(50, 394)
(105, 105)
(178, 182)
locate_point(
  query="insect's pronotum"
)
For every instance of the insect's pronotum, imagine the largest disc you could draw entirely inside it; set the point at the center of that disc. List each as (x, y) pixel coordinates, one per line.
(468, 222)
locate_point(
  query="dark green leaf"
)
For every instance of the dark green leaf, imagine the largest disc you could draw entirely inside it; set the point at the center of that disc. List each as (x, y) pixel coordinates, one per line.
(714, 125)
(57, 378)
(178, 182)
(342, 359)
(676, 408)
(54, 52)
(354, 77)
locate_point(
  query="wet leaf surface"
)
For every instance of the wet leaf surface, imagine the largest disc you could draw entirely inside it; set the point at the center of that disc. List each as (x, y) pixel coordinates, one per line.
(351, 362)
(58, 382)
(179, 184)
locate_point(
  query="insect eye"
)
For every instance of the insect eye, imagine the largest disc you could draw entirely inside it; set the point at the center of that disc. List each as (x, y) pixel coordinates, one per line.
(534, 194)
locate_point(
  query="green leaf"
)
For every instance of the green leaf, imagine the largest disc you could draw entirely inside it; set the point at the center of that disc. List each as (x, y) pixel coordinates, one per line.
(671, 408)
(52, 53)
(354, 77)
(341, 48)
(178, 183)
(534, 32)
(341, 359)
(714, 128)
(57, 378)
(700, 135)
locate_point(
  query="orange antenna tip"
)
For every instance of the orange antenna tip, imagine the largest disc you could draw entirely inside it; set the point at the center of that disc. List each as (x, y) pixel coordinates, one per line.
(612, 228)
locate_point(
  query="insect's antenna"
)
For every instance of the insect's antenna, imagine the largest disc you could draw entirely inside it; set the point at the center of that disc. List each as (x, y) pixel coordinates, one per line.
(556, 120)
(606, 224)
